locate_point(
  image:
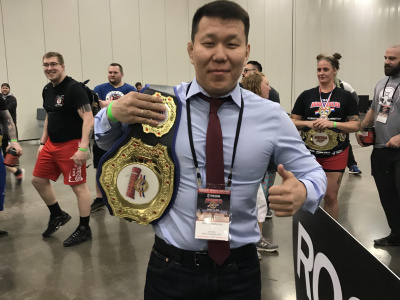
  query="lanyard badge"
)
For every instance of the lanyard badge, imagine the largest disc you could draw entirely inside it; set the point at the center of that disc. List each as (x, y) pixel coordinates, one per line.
(213, 214)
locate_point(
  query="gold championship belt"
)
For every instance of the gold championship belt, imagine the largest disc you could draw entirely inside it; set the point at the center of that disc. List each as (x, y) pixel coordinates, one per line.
(324, 140)
(137, 175)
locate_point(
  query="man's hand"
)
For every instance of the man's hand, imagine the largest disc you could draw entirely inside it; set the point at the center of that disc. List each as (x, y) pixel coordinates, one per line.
(360, 139)
(286, 199)
(394, 142)
(40, 149)
(79, 157)
(16, 146)
(138, 108)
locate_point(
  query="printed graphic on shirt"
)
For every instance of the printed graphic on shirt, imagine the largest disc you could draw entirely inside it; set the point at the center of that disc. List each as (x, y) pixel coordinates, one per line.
(59, 101)
(114, 95)
(325, 108)
(387, 98)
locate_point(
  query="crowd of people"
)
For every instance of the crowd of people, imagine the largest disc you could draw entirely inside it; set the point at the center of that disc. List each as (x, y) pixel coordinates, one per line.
(221, 124)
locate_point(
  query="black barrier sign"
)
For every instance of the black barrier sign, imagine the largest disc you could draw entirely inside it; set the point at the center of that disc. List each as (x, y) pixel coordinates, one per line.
(331, 264)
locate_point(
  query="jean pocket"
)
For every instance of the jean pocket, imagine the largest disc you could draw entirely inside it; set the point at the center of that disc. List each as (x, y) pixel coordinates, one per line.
(159, 263)
(250, 265)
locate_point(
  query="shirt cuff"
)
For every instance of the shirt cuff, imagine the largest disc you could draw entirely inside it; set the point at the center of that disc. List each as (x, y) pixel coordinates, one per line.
(314, 197)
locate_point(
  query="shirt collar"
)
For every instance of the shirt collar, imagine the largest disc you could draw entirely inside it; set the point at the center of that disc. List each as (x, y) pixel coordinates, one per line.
(195, 88)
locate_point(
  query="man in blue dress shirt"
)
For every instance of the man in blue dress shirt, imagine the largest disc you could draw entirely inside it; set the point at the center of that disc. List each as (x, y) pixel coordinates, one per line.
(179, 267)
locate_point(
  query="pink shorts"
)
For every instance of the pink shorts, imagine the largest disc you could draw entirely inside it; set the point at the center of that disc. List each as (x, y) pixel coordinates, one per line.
(54, 159)
(335, 163)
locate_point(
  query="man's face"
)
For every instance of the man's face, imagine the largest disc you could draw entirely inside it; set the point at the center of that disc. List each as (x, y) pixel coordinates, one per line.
(139, 88)
(53, 70)
(248, 69)
(114, 75)
(218, 54)
(392, 61)
(5, 90)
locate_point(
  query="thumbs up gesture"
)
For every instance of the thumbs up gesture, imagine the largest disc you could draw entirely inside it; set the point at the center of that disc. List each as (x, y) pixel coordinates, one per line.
(286, 199)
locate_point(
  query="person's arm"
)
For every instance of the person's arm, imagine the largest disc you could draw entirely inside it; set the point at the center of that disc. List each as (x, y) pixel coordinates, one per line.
(45, 135)
(9, 125)
(367, 122)
(80, 156)
(300, 123)
(129, 109)
(303, 179)
(298, 112)
(394, 142)
(352, 125)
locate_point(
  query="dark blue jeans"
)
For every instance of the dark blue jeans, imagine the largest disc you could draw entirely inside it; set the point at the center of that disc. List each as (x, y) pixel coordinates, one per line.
(183, 278)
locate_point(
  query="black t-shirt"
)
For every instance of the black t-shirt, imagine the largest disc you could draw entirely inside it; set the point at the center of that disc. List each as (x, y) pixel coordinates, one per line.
(3, 106)
(11, 103)
(64, 123)
(342, 105)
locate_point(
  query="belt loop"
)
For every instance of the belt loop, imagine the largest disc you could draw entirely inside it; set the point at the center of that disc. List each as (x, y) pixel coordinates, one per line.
(196, 261)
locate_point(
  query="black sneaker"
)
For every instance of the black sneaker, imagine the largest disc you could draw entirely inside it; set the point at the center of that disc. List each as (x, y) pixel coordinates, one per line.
(3, 233)
(387, 241)
(80, 235)
(54, 224)
(97, 204)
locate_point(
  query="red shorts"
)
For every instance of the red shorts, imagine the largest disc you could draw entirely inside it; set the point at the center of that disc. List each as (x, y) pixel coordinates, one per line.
(54, 159)
(335, 163)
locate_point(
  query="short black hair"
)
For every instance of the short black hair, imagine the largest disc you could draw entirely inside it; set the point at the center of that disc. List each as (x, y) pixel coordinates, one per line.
(137, 84)
(221, 9)
(256, 64)
(5, 84)
(117, 65)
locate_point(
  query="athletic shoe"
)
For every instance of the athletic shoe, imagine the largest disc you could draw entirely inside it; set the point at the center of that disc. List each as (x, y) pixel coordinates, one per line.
(269, 214)
(264, 245)
(259, 255)
(355, 170)
(54, 224)
(80, 235)
(3, 233)
(97, 204)
(387, 241)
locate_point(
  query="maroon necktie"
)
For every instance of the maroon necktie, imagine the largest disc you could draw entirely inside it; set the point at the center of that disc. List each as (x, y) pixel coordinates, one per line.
(219, 251)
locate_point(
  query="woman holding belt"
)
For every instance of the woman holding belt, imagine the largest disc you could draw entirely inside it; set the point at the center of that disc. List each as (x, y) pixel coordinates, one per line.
(326, 115)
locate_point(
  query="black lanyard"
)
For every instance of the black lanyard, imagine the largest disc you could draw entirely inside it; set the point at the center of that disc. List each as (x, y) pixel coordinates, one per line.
(383, 94)
(192, 144)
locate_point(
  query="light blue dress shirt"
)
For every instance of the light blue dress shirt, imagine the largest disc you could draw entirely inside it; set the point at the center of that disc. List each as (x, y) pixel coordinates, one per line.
(266, 132)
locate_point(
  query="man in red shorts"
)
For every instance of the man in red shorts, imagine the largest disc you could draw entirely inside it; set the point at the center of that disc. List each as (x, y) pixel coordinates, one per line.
(63, 147)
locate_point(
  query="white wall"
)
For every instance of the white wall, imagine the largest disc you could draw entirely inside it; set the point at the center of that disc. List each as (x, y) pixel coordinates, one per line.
(149, 38)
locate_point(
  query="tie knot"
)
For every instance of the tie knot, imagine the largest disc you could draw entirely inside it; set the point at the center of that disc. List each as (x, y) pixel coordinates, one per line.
(215, 103)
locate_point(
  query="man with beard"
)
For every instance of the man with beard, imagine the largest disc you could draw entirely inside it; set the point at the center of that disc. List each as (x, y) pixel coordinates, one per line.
(112, 90)
(385, 157)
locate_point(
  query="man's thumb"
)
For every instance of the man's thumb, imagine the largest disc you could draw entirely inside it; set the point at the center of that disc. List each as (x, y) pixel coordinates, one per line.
(283, 173)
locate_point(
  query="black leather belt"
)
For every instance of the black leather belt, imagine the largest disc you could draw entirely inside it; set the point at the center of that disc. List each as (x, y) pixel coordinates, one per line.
(198, 258)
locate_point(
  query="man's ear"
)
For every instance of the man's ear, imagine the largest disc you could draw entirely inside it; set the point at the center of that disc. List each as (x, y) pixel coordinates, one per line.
(247, 54)
(190, 51)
